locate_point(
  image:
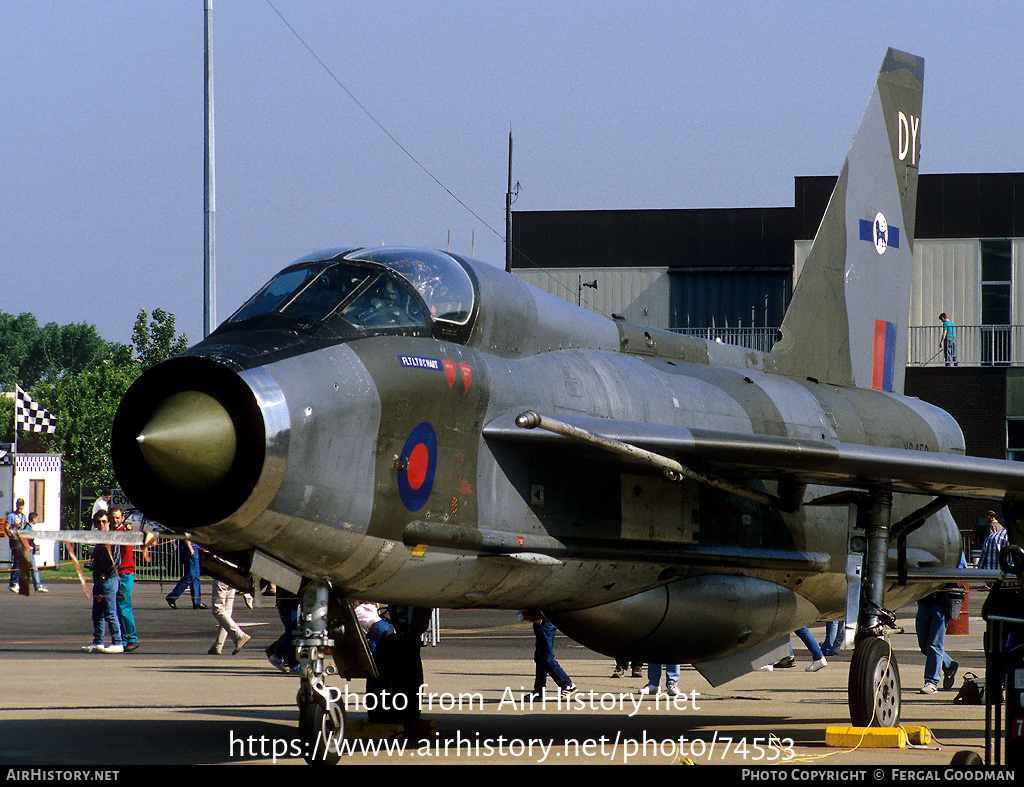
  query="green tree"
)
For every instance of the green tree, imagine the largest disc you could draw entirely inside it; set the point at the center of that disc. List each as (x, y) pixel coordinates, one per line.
(30, 354)
(6, 419)
(85, 404)
(63, 349)
(155, 342)
(17, 335)
(86, 399)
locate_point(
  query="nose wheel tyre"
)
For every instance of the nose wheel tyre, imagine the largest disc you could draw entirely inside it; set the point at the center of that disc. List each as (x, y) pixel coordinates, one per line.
(874, 685)
(320, 734)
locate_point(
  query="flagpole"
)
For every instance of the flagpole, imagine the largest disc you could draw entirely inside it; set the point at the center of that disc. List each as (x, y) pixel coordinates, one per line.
(17, 399)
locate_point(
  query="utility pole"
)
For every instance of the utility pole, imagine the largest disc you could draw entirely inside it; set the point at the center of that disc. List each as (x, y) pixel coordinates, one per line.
(209, 192)
(508, 210)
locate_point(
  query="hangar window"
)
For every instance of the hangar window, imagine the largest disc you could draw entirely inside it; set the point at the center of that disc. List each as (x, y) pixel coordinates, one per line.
(996, 300)
(1015, 439)
(996, 281)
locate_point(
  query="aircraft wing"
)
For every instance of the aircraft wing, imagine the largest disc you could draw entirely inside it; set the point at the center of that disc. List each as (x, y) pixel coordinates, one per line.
(752, 456)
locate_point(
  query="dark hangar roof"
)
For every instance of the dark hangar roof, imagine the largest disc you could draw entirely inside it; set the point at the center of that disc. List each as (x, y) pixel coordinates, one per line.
(973, 205)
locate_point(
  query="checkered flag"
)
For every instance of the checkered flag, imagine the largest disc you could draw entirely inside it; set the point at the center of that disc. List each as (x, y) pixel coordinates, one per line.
(29, 416)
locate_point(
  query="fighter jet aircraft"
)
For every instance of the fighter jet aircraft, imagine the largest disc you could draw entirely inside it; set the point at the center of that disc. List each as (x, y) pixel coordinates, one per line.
(411, 427)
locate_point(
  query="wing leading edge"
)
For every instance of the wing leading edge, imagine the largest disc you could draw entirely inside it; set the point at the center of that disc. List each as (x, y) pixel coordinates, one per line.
(752, 456)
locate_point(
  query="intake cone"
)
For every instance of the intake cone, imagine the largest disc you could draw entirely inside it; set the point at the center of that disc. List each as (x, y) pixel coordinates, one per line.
(189, 442)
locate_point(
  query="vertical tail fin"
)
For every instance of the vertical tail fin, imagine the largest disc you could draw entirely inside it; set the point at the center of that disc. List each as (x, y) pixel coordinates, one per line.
(847, 322)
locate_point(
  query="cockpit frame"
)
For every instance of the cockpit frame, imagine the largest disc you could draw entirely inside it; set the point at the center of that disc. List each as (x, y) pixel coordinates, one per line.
(367, 291)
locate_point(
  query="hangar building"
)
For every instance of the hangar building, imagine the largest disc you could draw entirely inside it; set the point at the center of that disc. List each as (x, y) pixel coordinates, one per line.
(728, 273)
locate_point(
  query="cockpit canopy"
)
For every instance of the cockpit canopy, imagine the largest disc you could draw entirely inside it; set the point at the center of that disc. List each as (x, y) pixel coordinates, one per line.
(378, 290)
(442, 282)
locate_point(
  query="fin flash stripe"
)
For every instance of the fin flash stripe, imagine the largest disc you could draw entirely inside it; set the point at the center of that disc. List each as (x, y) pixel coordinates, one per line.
(882, 363)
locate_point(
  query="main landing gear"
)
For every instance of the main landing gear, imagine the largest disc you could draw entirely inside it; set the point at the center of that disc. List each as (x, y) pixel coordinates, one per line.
(874, 683)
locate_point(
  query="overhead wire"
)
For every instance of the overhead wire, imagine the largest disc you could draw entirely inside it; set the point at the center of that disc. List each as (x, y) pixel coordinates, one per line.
(380, 125)
(374, 119)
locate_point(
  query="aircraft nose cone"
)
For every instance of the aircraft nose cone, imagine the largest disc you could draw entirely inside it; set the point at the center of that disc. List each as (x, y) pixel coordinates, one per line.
(191, 445)
(189, 442)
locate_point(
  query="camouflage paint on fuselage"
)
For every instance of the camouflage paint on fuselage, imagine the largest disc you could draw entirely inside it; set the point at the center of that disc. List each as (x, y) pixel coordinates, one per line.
(376, 393)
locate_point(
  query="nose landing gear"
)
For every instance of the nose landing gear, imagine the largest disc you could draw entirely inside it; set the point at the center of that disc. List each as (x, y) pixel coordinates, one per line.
(321, 728)
(329, 640)
(321, 717)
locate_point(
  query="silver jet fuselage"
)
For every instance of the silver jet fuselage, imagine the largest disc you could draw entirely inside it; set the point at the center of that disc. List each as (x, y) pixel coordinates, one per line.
(387, 462)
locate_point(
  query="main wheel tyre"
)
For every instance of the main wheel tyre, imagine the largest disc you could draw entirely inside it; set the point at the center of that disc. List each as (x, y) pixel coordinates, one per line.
(321, 739)
(874, 685)
(967, 759)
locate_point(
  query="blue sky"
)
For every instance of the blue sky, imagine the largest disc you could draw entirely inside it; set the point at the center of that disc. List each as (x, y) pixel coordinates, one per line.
(613, 105)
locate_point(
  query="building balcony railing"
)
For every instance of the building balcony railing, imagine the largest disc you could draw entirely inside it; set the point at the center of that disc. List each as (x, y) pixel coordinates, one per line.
(976, 345)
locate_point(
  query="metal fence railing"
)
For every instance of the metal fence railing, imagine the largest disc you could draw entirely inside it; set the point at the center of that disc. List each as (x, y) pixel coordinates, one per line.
(163, 565)
(976, 345)
(760, 339)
